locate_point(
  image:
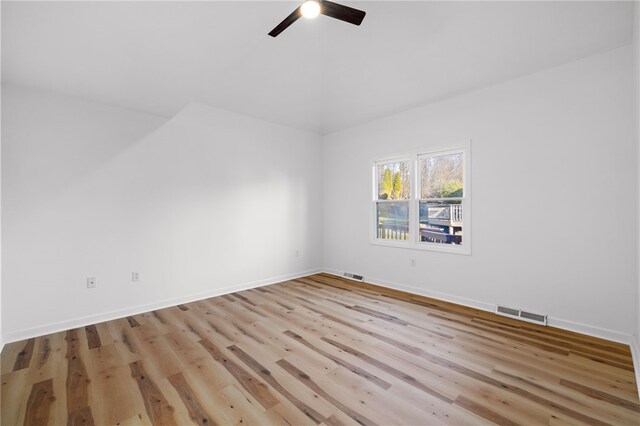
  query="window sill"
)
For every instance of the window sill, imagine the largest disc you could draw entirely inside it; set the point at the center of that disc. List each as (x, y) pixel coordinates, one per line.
(423, 246)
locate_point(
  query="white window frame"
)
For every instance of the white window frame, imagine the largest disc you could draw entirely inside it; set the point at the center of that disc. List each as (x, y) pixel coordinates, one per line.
(413, 242)
(374, 224)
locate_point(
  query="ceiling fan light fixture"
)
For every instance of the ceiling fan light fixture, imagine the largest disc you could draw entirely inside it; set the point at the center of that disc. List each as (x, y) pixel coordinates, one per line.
(310, 9)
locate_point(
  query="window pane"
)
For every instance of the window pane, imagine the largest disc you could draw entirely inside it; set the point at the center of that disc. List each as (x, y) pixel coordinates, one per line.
(441, 176)
(441, 222)
(393, 220)
(393, 181)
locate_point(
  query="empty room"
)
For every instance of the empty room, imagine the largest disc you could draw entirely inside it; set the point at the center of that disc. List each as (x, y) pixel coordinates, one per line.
(320, 213)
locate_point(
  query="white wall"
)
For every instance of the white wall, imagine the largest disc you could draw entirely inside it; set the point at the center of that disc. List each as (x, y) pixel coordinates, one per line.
(205, 202)
(554, 196)
(636, 51)
(1, 335)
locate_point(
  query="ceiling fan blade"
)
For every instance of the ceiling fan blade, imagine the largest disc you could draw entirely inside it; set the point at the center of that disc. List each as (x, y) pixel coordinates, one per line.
(341, 12)
(293, 17)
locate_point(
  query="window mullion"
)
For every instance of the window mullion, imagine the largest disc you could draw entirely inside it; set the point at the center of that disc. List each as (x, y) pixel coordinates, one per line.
(413, 217)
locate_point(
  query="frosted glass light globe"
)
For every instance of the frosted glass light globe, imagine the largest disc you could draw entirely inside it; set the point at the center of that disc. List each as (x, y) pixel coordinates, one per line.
(310, 9)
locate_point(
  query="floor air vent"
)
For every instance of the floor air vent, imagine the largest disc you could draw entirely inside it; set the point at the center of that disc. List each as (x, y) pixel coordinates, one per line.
(522, 315)
(353, 276)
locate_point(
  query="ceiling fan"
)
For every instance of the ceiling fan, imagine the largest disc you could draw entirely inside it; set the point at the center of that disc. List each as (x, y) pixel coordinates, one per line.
(312, 8)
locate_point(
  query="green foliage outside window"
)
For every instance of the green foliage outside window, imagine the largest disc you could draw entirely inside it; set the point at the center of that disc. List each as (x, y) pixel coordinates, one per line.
(397, 186)
(387, 185)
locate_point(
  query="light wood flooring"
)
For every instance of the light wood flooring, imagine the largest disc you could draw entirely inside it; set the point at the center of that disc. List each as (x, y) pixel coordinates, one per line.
(318, 350)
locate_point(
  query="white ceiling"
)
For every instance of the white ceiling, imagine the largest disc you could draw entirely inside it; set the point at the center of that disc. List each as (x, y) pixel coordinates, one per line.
(321, 75)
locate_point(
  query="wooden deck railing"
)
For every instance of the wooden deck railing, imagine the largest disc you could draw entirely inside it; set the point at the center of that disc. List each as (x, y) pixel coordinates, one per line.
(393, 232)
(456, 212)
(450, 212)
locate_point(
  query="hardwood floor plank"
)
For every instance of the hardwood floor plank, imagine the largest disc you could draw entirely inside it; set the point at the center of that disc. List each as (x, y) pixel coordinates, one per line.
(389, 369)
(9, 354)
(133, 322)
(159, 317)
(602, 396)
(161, 361)
(241, 410)
(16, 388)
(43, 352)
(485, 412)
(48, 358)
(243, 298)
(158, 408)
(77, 382)
(123, 393)
(246, 332)
(416, 408)
(93, 339)
(205, 375)
(24, 356)
(266, 375)
(82, 417)
(126, 339)
(39, 403)
(256, 388)
(333, 420)
(304, 378)
(197, 413)
(353, 368)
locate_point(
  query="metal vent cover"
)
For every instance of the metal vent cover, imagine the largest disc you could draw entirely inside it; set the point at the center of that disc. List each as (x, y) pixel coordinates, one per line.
(542, 319)
(353, 276)
(507, 311)
(521, 315)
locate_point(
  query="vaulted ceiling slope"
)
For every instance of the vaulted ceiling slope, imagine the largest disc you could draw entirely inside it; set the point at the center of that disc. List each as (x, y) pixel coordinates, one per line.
(320, 75)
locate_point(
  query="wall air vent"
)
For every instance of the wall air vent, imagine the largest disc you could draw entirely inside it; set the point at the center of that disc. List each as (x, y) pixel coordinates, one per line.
(522, 315)
(537, 318)
(353, 276)
(507, 311)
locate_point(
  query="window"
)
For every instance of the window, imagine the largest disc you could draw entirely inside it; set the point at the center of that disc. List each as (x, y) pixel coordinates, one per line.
(421, 201)
(392, 200)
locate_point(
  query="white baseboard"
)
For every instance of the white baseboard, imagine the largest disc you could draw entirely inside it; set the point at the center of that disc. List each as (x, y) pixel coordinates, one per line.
(28, 333)
(577, 327)
(591, 330)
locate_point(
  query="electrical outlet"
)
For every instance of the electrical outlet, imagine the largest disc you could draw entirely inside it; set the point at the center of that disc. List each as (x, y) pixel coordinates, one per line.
(297, 253)
(135, 276)
(91, 282)
(413, 262)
